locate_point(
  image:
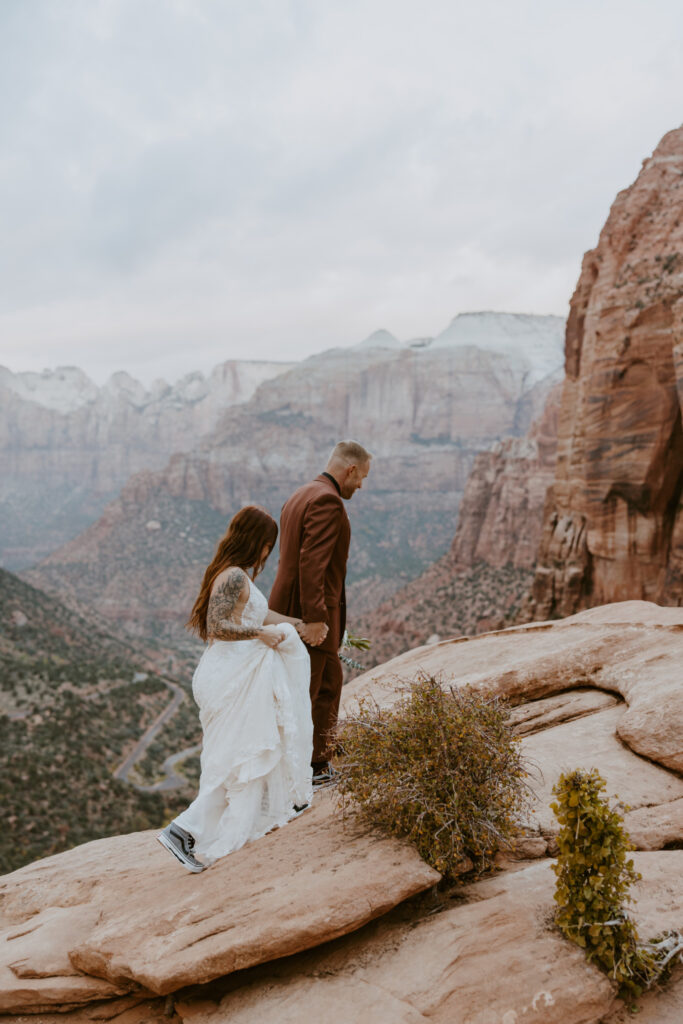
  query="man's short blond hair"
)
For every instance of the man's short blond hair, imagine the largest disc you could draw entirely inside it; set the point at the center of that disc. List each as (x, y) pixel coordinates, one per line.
(350, 453)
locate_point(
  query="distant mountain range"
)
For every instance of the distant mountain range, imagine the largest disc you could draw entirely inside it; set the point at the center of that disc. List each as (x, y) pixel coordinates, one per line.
(425, 409)
(67, 447)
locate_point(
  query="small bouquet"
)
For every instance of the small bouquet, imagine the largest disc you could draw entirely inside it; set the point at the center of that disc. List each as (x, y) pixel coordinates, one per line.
(349, 642)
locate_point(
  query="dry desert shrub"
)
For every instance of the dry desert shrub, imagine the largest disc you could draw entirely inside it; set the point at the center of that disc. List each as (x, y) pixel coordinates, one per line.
(440, 767)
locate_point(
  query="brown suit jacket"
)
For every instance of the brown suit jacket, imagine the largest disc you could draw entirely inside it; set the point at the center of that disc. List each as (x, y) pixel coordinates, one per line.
(314, 545)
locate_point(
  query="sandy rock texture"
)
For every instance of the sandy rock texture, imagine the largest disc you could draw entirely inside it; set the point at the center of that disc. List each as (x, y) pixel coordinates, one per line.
(613, 524)
(130, 1009)
(602, 689)
(567, 706)
(593, 741)
(494, 959)
(35, 970)
(656, 827)
(120, 914)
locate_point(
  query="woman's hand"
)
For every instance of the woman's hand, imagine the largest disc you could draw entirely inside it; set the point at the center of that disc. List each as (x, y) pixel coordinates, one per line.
(271, 636)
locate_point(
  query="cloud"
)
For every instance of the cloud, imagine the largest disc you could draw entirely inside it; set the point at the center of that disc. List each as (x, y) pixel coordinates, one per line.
(184, 182)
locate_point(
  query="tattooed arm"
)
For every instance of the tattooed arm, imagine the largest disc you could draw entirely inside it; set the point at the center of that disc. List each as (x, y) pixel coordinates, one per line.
(274, 618)
(224, 616)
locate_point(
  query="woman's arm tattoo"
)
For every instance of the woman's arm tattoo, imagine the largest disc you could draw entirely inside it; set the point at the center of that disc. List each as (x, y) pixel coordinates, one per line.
(220, 621)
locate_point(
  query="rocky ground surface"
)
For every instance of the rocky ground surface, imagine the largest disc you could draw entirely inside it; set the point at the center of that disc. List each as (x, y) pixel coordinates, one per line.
(324, 918)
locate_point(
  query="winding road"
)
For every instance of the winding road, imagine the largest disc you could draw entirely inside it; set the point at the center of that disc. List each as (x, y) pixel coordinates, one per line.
(150, 734)
(172, 779)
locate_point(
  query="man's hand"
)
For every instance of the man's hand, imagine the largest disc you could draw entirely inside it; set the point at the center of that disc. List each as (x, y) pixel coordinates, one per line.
(312, 633)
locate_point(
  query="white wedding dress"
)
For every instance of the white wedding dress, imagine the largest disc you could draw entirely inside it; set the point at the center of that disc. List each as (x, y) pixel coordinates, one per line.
(255, 710)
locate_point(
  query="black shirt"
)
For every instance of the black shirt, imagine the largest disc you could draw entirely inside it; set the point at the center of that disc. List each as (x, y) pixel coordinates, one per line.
(330, 477)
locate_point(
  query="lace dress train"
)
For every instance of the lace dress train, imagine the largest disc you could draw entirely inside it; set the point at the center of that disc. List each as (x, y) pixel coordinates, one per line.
(255, 711)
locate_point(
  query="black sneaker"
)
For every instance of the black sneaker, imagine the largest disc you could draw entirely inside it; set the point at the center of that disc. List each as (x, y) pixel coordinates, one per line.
(181, 843)
(324, 777)
(299, 808)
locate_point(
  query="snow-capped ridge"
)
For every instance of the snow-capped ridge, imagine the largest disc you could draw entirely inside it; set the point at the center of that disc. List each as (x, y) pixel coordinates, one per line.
(63, 389)
(121, 384)
(379, 339)
(536, 339)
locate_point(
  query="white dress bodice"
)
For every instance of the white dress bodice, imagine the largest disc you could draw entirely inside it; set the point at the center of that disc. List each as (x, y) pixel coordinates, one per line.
(256, 608)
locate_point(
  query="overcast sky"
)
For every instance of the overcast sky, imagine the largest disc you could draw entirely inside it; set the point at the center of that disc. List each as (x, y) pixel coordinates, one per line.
(187, 181)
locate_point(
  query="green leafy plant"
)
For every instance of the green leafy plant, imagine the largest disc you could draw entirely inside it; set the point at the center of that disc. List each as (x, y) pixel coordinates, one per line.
(352, 642)
(440, 767)
(594, 876)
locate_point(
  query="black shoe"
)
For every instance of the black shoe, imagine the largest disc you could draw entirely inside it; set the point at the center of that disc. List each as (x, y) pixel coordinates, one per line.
(181, 843)
(324, 777)
(300, 808)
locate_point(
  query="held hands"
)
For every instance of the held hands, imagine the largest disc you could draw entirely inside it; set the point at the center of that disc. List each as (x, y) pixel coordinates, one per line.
(271, 636)
(312, 633)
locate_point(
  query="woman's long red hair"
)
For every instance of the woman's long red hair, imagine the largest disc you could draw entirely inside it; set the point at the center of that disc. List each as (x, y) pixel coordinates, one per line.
(247, 535)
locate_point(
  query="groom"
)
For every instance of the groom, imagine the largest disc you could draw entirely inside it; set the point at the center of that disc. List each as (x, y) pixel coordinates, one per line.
(314, 546)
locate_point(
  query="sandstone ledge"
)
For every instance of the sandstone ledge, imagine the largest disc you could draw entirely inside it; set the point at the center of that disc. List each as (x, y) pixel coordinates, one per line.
(132, 916)
(493, 960)
(633, 648)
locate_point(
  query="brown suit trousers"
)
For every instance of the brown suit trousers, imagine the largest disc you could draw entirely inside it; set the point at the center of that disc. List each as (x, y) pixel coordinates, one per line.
(314, 547)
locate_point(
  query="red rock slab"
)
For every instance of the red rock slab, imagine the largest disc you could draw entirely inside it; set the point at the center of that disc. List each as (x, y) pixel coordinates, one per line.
(593, 742)
(127, 1010)
(632, 648)
(35, 970)
(495, 960)
(536, 715)
(655, 827)
(311, 881)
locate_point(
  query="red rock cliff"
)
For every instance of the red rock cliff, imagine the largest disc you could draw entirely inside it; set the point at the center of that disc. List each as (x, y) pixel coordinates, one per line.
(613, 522)
(501, 513)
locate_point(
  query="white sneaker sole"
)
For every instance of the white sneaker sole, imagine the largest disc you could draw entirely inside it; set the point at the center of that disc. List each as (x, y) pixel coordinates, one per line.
(194, 868)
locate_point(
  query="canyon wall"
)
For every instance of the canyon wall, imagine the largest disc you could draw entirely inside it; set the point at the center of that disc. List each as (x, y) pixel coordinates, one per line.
(613, 525)
(482, 582)
(501, 514)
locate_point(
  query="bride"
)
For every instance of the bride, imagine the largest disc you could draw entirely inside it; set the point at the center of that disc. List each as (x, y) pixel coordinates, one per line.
(252, 689)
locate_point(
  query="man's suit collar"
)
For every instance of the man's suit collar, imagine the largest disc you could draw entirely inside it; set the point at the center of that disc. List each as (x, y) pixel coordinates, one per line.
(328, 476)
